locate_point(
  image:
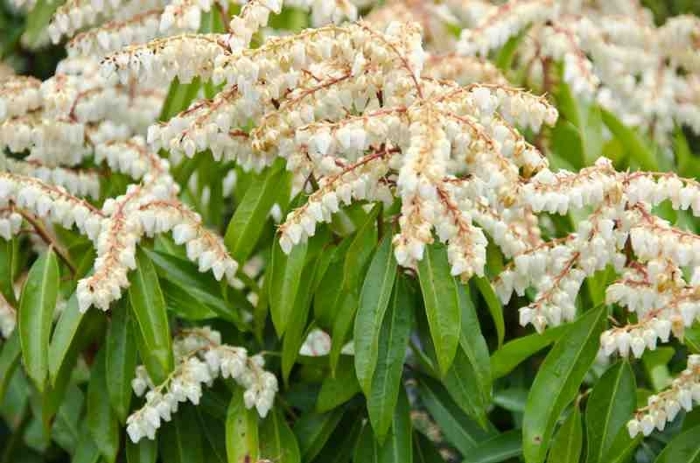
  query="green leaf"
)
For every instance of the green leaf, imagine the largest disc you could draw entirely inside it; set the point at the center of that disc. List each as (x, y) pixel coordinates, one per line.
(504, 58)
(360, 251)
(9, 359)
(344, 317)
(393, 340)
(179, 97)
(36, 307)
(505, 359)
(65, 430)
(145, 451)
(468, 381)
(313, 430)
(441, 304)
(242, 442)
(656, 366)
(367, 449)
(296, 328)
(457, 427)
(622, 447)
(180, 440)
(201, 286)
(587, 122)
(8, 257)
(37, 21)
(610, 406)
(120, 359)
(342, 443)
(424, 451)
(247, 223)
(100, 418)
(498, 448)
(285, 276)
(568, 442)
(683, 448)
(86, 451)
(277, 441)
(558, 380)
(339, 389)
(374, 300)
(398, 448)
(148, 306)
(494, 305)
(635, 146)
(183, 304)
(66, 341)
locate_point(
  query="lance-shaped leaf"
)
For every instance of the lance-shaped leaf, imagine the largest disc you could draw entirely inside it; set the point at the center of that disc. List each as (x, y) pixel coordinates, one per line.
(683, 448)
(101, 420)
(37, 304)
(609, 407)
(180, 441)
(469, 379)
(148, 307)
(558, 380)
(277, 441)
(120, 360)
(393, 340)
(8, 255)
(145, 451)
(441, 304)
(9, 359)
(313, 430)
(505, 359)
(567, 444)
(242, 442)
(247, 223)
(374, 300)
(285, 277)
(339, 389)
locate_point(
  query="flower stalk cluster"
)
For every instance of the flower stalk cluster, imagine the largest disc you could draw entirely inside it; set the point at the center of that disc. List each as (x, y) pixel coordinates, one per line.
(200, 358)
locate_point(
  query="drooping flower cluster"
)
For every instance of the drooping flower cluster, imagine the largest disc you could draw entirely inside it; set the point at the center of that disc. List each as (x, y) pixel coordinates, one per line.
(661, 408)
(201, 358)
(448, 152)
(611, 52)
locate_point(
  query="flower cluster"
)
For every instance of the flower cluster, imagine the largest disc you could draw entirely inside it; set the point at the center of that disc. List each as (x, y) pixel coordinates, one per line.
(445, 150)
(611, 52)
(665, 406)
(201, 358)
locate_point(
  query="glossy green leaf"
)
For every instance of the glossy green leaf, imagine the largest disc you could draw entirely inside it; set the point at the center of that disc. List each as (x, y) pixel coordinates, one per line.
(468, 381)
(655, 364)
(36, 307)
(609, 407)
(313, 430)
(587, 122)
(37, 21)
(120, 360)
(398, 448)
(180, 440)
(360, 251)
(558, 380)
(501, 447)
(367, 449)
(568, 441)
(145, 451)
(494, 306)
(374, 300)
(504, 58)
(458, 428)
(247, 223)
(339, 389)
(242, 442)
(86, 451)
(344, 317)
(9, 359)
(285, 277)
(277, 441)
(100, 417)
(683, 448)
(65, 430)
(513, 353)
(441, 300)
(622, 448)
(297, 330)
(635, 146)
(342, 443)
(8, 255)
(148, 308)
(393, 341)
(69, 335)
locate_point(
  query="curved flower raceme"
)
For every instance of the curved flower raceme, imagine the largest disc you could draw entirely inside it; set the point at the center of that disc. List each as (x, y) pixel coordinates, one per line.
(201, 358)
(611, 52)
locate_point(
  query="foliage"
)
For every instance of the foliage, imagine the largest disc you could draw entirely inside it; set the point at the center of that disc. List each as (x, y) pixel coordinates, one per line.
(448, 231)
